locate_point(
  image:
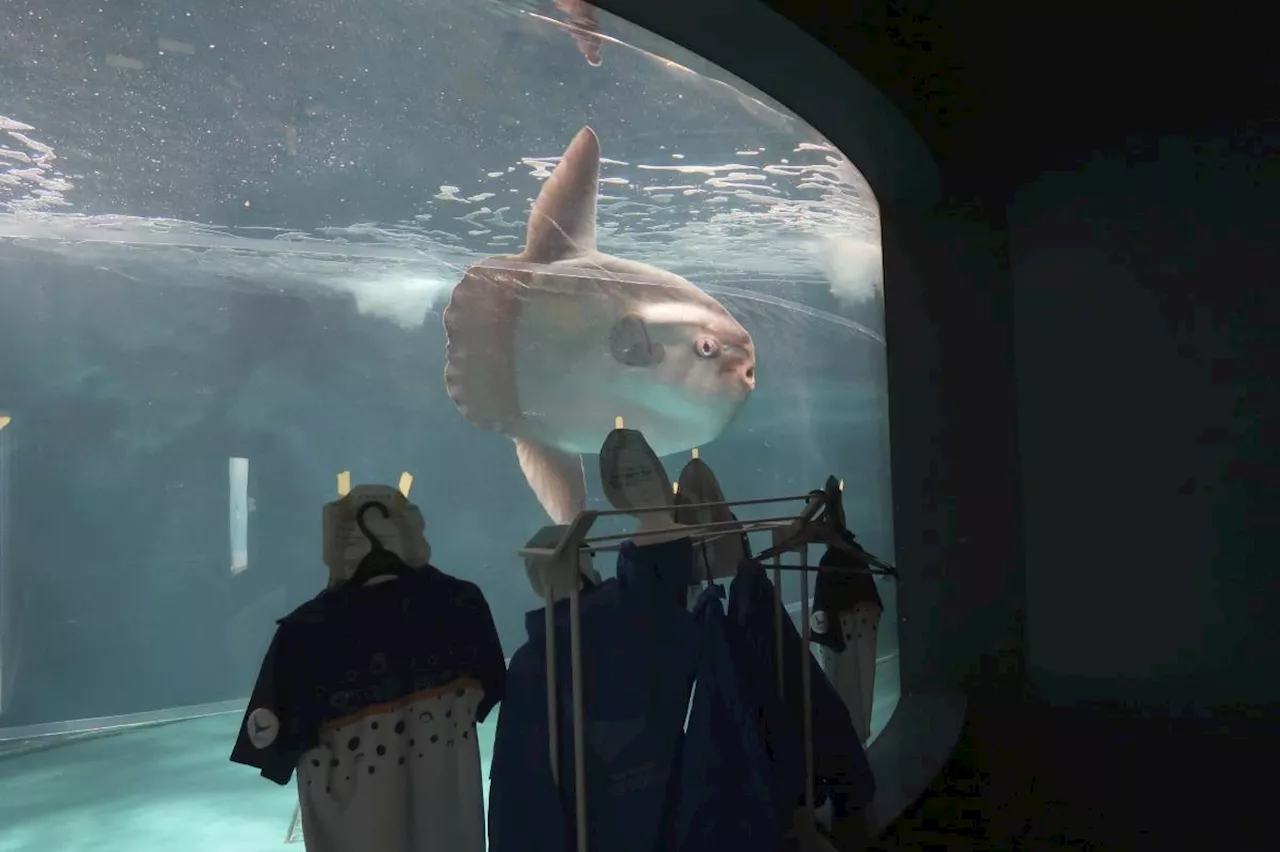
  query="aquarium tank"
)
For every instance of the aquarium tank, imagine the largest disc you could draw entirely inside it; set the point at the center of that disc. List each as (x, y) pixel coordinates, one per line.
(229, 234)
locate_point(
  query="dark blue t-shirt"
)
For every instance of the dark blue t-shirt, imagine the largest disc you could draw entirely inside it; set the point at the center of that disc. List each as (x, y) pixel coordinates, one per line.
(350, 649)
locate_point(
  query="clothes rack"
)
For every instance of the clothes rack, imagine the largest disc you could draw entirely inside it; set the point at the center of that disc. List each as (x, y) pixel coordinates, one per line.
(792, 533)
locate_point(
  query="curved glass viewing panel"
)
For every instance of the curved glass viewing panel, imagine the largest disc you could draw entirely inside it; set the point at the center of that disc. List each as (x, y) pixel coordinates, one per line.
(227, 239)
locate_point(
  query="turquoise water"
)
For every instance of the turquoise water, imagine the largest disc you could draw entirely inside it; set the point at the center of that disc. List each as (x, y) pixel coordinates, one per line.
(172, 787)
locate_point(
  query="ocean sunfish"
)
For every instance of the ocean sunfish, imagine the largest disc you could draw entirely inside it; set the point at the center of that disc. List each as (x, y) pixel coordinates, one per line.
(550, 345)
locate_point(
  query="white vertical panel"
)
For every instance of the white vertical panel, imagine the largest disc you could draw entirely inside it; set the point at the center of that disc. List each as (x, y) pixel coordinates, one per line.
(238, 470)
(8, 639)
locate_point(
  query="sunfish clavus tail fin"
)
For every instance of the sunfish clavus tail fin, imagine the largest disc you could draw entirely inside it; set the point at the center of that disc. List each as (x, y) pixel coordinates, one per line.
(480, 332)
(556, 477)
(480, 376)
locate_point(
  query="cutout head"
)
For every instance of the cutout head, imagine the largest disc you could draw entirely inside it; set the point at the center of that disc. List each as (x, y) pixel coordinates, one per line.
(402, 532)
(724, 553)
(631, 473)
(543, 572)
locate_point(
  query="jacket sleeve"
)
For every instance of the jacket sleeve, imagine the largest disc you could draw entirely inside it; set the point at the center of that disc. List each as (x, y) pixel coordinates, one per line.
(489, 664)
(276, 728)
(525, 810)
(840, 763)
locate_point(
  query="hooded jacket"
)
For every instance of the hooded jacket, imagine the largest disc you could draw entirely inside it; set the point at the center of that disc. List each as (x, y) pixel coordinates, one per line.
(640, 655)
(841, 771)
(726, 779)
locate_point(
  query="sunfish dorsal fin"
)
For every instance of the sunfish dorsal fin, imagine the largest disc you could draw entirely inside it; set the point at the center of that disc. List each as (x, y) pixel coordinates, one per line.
(563, 220)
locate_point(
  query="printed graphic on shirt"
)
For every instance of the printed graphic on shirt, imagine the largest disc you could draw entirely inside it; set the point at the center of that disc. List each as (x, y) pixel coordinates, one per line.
(818, 621)
(263, 727)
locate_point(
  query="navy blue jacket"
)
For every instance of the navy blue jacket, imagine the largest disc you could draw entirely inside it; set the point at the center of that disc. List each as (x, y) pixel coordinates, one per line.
(726, 793)
(640, 656)
(841, 770)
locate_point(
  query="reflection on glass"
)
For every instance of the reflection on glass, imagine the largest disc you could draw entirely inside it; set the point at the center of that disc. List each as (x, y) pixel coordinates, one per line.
(235, 232)
(239, 514)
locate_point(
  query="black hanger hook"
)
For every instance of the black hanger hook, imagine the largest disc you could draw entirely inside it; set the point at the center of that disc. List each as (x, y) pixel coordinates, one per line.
(382, 510)
(835, 505)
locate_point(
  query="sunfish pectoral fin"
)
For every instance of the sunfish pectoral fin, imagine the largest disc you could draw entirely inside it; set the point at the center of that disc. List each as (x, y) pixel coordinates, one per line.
(630, 345)
(556, 477)
(562, 222)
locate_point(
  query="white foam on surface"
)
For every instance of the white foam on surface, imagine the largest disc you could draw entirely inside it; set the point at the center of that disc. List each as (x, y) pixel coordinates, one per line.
(703, 220)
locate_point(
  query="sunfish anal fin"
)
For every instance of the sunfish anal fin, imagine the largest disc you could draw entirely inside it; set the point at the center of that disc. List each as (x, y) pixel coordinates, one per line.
(562, 222)
(556, 477)
(480, 333)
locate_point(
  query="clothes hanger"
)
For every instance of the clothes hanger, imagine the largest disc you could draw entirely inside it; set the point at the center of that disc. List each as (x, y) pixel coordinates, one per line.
(379, 561)
(341, 556)
(823, 523)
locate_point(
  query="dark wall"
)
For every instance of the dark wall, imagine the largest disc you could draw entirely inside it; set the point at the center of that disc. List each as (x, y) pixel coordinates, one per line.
(1145, 328)
(954, 440)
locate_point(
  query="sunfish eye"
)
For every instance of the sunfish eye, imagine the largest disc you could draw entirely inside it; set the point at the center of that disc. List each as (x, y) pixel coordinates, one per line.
(706, 347)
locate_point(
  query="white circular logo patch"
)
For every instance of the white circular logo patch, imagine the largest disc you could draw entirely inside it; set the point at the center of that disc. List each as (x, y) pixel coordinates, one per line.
(263, 727)
(818, 621)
